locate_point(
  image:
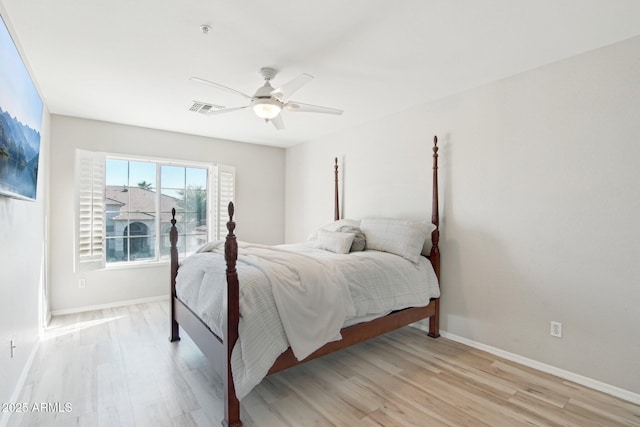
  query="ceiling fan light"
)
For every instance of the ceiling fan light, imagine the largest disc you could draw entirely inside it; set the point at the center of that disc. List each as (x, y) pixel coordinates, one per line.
(266, 108)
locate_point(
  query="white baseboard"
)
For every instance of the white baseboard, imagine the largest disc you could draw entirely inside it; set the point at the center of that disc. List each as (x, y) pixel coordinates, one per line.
(4, 419)
(109, 305)
(567, 375)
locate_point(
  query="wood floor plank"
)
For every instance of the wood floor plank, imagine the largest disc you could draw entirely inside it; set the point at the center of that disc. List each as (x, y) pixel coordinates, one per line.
(401, 416)
(549, 414)
(311, 392)
(608, 418)
(115, 367)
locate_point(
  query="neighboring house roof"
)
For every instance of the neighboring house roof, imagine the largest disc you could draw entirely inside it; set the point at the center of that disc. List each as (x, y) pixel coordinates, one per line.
(139, 204)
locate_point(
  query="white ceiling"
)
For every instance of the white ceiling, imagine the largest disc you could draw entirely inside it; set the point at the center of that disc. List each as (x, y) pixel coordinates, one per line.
(129, 61)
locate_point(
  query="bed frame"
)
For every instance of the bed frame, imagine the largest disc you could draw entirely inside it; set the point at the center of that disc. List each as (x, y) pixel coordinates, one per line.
(218, 352)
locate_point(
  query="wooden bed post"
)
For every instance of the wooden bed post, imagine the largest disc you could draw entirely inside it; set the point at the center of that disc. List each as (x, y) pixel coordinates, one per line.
(336, 212)
(173, 238)
(232, 404)
(434, 255)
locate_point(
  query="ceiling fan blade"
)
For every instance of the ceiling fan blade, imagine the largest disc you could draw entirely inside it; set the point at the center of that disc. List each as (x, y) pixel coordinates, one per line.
(225, 110)
(289, 88)
(298, 107)
(219, 86)
(277, 121)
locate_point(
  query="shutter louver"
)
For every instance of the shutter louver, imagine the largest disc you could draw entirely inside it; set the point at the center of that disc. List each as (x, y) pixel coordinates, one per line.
(226, 196)
(90, 205)
(226, 193)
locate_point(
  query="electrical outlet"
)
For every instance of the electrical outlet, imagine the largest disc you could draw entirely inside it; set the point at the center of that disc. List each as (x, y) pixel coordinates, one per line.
(556, 329)
(82, 283)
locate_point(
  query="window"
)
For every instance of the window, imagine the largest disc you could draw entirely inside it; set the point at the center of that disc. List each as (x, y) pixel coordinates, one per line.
(131, 210)
(184, 189)
(124, 208)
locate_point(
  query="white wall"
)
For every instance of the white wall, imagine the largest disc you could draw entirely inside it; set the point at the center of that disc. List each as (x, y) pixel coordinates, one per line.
(259, 202)
(540, 200)
(22, 275)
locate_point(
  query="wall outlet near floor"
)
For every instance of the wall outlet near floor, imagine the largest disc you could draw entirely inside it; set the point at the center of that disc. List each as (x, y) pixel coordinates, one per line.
(13, 346)
(82, 283)
(556, 329)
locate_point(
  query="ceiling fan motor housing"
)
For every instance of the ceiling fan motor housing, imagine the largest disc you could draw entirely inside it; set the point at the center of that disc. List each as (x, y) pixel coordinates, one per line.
(264, 91)
(264, 104)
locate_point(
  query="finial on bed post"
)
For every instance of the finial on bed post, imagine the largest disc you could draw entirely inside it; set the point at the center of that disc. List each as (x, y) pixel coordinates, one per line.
(173, 238)
(231, 244)
(434, 255)
(336, 213)
(173, 234)
(232, 404)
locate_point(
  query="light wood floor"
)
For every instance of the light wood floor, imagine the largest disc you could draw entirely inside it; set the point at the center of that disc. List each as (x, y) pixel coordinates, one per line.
(117, 368)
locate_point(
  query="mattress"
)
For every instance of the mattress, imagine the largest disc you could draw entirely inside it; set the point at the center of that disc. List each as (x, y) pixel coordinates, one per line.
(340, 290)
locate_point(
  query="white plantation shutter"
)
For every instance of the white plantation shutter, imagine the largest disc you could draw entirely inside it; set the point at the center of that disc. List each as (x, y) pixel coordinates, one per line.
(90, 210)
(226, 184)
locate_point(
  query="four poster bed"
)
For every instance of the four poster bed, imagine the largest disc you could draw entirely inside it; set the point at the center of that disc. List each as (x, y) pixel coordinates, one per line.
(218, 340)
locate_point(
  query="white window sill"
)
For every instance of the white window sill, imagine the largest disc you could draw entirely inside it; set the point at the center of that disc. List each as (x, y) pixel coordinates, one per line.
(138, 264)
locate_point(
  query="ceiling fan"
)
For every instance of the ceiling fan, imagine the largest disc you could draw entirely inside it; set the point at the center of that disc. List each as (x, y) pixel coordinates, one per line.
(267, 103)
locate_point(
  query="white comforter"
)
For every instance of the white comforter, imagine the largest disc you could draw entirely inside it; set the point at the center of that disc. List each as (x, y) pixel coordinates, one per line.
(300, 299)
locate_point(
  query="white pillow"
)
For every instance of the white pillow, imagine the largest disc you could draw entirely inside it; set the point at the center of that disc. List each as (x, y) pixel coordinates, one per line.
(334, 241)
(397, 236)
(333, 226)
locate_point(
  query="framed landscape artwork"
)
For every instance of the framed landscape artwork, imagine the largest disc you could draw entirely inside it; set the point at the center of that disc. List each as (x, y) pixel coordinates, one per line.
(20, 123)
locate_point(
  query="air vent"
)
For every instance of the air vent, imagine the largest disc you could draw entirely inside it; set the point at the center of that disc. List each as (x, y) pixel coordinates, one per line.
(204, 108)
